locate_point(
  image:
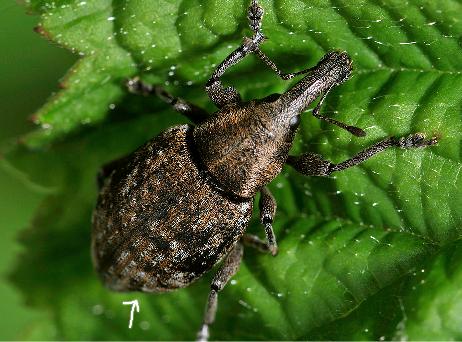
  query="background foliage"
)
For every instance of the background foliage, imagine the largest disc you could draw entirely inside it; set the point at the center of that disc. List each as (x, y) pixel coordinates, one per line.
(370, 253)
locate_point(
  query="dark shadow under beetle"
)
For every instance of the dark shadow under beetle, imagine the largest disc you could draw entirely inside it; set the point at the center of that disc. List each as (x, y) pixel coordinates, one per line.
(171, 210)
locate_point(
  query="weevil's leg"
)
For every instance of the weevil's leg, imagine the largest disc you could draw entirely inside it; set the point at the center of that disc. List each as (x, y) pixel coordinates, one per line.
(192, 112)
(255, 242)
(255, 15)
(219, 94)
(224, 274)
(273, 66)
(352, 129)
(267, 206)
(311, 164)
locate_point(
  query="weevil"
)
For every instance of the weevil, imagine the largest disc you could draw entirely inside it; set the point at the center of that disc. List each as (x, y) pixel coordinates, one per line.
(181, 203)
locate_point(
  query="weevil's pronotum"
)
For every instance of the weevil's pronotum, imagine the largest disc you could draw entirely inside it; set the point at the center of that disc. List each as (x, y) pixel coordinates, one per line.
(181, 203)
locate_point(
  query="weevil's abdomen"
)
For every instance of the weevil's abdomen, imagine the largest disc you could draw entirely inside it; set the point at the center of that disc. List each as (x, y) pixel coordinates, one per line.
(160, 222)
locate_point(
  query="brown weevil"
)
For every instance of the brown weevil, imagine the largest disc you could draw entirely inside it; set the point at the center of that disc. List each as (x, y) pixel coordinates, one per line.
(181, 203)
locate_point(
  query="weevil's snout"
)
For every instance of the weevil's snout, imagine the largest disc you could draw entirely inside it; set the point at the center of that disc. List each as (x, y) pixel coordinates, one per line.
(333, 69)
(270, 111)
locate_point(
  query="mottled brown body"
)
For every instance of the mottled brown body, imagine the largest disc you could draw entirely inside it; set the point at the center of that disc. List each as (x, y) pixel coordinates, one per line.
(149, 234)
(244, 146)
(179, 204)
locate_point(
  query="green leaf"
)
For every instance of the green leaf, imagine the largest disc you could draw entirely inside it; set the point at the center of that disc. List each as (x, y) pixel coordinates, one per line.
(352, 246)
(93, 85)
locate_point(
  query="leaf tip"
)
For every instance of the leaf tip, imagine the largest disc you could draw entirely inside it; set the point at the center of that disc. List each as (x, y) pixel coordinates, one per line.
(34, 118)
(41, 31)
(63, 84)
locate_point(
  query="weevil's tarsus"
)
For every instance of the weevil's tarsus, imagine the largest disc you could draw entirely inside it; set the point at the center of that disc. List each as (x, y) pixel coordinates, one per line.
(311, 164)
(203, 334)
(271, 238)
(191, 111)
(268, 206)
(255, 15)
(224, 274)
(352, 129)
(414, 140)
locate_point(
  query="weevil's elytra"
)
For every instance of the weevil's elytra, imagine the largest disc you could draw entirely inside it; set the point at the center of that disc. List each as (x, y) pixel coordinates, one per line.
(181, 203)
(141, 198)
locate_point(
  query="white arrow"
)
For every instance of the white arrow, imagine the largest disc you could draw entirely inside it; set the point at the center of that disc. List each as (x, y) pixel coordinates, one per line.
(135, 305)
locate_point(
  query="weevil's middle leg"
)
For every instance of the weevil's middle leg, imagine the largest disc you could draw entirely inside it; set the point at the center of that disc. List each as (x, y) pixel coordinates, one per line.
(267, 206)
(192, 112)
(224, 274)
(311, 164)
(254, 241)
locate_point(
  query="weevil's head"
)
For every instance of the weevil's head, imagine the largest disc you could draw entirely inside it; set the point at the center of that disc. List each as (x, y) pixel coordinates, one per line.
(333, 69)
(245, 145)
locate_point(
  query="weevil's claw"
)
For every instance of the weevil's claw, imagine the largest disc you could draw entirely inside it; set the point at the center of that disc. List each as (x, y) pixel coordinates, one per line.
(416, 140)
(356, 131)
(203, 334)
(273, 249)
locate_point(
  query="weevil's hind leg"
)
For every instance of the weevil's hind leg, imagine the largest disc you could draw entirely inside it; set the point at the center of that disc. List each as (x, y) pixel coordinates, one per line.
(219, 94)
(311, 164)
(352, 129)
(224, 274)
(192, 112)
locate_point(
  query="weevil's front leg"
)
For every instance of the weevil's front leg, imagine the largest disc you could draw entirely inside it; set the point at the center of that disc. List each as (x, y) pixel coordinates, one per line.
(219, 94)
(224, 274)
(192, 112)
(311, 164)
(352, 129)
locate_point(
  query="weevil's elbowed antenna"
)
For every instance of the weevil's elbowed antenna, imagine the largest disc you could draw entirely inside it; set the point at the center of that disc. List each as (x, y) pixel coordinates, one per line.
(333, 69)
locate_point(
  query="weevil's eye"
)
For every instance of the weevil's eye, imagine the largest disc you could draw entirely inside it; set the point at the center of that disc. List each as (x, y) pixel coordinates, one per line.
(294, 121)
(271, 98)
